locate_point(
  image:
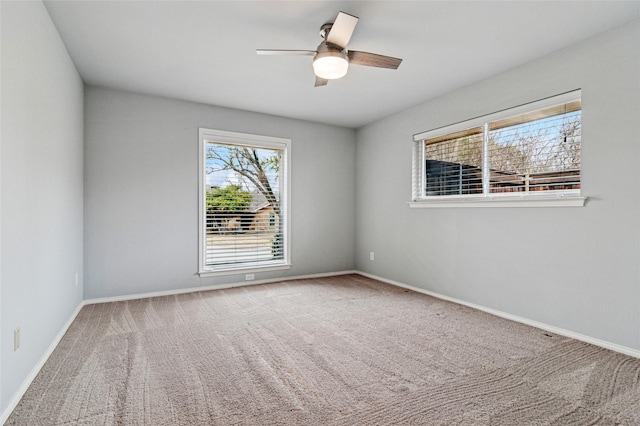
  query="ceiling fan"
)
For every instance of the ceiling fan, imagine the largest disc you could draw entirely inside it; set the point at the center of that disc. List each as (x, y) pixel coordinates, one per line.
(331, 59)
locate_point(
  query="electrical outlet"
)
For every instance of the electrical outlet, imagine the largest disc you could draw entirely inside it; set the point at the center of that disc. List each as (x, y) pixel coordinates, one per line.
(371, 256)
(16, 339)
(249, 277)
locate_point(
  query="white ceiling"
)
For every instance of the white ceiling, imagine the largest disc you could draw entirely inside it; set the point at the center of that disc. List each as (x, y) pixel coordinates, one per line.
(204, 51)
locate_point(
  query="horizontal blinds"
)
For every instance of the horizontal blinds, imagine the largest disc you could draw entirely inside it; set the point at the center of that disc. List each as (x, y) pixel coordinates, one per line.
(453, 164)
(526, 151)
(238, 239)
(244, 211)
(417, 171)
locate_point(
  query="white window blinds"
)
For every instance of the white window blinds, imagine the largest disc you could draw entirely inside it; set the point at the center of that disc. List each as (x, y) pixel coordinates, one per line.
(244, 207)
(453, 163)
(533, 148)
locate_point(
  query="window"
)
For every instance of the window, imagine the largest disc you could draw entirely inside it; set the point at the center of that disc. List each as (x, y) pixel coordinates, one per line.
(244, 222)
(525, 156)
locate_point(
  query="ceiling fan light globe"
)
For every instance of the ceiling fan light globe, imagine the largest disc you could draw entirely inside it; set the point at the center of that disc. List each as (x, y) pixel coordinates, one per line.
(330, 65)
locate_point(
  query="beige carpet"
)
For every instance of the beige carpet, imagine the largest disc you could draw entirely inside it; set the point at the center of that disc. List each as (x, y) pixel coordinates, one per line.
(335, 351)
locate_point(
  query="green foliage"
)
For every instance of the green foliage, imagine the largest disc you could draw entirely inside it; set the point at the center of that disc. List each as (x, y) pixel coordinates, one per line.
(229, 199)
(255, 165)
(271, 163)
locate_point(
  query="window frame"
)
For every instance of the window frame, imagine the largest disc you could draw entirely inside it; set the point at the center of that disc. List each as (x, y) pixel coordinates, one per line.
(570, 198)
(256, 141)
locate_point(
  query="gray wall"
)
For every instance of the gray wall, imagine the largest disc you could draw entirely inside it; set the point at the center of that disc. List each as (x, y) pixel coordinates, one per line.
(574, 268)
(41, 179)
(141, 192)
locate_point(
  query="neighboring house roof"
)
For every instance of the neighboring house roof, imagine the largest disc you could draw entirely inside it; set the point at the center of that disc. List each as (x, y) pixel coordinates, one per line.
(258, 202)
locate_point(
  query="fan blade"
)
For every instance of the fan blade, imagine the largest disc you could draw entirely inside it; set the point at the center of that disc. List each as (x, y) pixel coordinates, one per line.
(342, 29)
(373, 60)
(285, 52)
(321, 81)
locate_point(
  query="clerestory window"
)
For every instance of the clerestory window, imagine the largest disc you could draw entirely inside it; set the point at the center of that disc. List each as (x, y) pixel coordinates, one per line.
(244, 219)
(525, 156)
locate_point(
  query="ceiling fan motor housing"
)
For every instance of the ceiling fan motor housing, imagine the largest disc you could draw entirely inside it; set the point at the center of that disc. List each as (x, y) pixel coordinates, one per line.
(324, 30)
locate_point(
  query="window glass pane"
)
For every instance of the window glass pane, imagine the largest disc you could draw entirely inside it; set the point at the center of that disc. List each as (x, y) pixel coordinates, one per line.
(529, 149)
(539, 151)
(453, 164)
(244, 213)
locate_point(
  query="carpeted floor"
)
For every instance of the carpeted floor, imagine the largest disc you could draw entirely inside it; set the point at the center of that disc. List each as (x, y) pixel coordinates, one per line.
(344, 350)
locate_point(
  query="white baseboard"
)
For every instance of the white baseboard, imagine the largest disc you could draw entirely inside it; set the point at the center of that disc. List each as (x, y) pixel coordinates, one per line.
(36, 368)
(567, 333)
(211, 287)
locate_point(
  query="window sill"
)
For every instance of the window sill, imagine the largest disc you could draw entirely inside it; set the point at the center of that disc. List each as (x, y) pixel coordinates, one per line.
(559, 200)
(243, 270)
